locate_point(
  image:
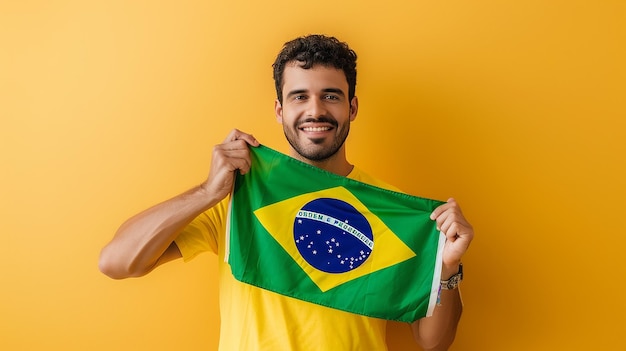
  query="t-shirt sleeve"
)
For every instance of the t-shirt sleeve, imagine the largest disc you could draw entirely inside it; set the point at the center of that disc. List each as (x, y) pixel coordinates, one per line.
(202, 234)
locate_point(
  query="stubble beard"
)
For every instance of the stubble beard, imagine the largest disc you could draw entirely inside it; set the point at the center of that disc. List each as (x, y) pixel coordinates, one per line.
(313, 153)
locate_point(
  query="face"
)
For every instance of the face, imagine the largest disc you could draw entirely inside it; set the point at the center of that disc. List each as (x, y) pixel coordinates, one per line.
(315, 112)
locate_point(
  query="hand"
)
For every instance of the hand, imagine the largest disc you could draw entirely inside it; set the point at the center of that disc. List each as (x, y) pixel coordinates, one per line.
(231, 155)
(459, 234)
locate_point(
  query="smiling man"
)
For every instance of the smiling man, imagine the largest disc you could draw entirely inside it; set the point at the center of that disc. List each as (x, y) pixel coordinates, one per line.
(315, 79)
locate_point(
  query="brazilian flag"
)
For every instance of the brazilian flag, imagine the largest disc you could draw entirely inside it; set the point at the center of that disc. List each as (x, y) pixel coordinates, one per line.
(307, 233)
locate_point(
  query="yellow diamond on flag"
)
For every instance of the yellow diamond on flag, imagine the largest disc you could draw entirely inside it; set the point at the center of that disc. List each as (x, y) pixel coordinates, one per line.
(381, 247)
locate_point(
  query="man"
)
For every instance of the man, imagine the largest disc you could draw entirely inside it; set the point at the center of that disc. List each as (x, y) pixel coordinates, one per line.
(315, 80)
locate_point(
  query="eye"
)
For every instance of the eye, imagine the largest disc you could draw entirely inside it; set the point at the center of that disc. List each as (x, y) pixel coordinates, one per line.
(331, 97)
(299, 97)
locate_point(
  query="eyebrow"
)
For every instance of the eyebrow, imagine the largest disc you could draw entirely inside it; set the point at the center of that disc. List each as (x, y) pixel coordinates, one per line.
(296, 92)
(334, 90)
(327, 90)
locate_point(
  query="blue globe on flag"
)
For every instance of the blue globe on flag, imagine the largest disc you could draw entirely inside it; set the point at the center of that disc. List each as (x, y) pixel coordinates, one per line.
(332, 236)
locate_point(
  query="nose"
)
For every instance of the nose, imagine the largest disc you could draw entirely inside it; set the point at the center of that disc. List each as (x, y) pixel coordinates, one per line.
(315, 108)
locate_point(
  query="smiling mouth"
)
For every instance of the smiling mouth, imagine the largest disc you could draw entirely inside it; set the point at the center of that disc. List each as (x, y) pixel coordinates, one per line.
(316, 129)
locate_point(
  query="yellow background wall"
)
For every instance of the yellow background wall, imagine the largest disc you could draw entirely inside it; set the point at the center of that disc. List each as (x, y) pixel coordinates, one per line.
(516, 108)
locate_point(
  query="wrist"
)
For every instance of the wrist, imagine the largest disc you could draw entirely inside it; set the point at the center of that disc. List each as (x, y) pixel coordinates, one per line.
(200, 198)
(453, 281)
(448, 270)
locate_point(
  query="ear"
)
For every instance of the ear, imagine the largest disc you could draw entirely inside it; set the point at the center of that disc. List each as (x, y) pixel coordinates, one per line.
(354, 108)
(278, 110)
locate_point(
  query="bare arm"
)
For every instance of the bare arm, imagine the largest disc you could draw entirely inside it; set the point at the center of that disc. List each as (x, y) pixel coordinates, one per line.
(438, 331)
(146, 240)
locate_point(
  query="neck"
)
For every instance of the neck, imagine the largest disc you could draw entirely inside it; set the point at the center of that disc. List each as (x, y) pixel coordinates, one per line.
(337, 163)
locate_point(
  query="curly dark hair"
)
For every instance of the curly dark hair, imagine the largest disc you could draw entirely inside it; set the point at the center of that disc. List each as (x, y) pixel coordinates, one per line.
(312, 50)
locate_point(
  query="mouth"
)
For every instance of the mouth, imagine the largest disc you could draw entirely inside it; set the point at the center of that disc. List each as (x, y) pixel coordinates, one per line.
(311, 129)
(317, 126)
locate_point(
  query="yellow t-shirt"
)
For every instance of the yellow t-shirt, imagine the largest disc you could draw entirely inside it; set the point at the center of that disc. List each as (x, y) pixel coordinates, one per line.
(257, 319)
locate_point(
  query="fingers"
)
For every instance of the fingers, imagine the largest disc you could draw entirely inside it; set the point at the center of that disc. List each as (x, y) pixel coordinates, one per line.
(229, 156)
(236, 134)
(450, 220)
(233, 153)
(459, 233)
(439, 210)
(232, 156)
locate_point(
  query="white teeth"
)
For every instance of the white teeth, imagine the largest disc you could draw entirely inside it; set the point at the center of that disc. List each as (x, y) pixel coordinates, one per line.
(315, 129)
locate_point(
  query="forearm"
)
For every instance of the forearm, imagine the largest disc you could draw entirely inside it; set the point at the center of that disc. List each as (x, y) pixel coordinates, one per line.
(437, 332)
(141, 240)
